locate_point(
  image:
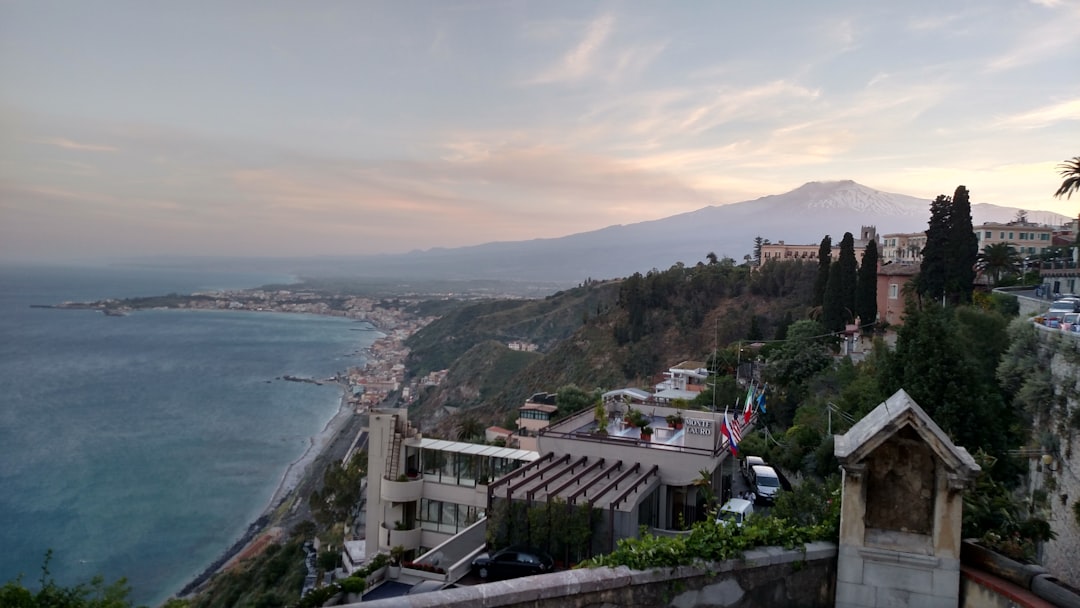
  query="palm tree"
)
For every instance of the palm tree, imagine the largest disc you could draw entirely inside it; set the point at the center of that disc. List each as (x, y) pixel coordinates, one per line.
(998, 259)
(1070, 170)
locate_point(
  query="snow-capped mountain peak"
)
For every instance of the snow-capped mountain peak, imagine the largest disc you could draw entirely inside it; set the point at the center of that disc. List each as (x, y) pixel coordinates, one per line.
(847, 194)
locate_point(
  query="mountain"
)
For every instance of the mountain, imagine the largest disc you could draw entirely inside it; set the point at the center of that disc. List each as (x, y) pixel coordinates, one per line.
(801, 216)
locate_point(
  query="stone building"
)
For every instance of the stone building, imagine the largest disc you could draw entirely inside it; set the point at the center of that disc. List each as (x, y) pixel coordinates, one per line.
(900, 523)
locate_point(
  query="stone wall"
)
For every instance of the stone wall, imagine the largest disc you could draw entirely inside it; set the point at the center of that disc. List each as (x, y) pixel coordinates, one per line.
(1061, 479)
(763, 578)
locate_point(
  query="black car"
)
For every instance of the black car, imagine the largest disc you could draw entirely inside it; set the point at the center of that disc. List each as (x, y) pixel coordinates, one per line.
(512, 562)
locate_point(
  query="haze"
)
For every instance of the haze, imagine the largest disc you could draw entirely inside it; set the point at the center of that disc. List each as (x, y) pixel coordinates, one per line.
(334, 128)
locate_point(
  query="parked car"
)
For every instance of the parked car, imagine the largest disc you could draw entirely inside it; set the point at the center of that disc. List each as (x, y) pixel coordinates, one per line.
(512, 562)
(1058, 309)
(735, 511)
(1070, 321)
(764, 482)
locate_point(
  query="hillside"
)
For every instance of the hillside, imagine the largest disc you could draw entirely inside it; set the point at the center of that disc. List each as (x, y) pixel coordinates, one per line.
(658, 320)
(543, 322)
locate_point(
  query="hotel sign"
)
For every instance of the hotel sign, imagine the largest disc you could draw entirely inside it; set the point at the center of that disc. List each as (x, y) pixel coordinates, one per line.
(698, 426)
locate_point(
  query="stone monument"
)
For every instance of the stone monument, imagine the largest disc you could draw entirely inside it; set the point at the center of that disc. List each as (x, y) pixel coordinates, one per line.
(901, 513)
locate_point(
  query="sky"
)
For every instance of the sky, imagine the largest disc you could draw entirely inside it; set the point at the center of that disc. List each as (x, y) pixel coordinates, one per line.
(245, 128)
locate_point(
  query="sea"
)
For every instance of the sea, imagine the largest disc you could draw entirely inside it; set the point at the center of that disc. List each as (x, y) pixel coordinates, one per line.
(143, 446)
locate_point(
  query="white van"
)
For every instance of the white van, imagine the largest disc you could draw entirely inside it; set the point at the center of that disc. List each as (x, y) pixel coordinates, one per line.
(735, 511)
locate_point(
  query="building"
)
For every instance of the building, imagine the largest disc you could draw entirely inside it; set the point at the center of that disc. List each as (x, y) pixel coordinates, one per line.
(904, 247)
(684, 381)
(424, 492)
(1026, 238)
(771, 252)
(891, 279)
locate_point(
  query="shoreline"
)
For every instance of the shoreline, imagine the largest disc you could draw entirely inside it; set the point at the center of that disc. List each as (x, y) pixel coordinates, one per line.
(296, 474)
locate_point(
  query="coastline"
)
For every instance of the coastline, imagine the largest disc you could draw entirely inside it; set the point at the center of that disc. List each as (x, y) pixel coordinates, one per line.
(269, 527)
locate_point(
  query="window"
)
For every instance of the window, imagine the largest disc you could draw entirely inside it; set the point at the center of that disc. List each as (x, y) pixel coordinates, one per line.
(894, 291)
(1044, 236)
(447, 517)
(989, 234)
(1010, 236)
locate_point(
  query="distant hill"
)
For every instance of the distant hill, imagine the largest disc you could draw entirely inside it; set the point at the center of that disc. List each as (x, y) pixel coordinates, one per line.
(803, 215)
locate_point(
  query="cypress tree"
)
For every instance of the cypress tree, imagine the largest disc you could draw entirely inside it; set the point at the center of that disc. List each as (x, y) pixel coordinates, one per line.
(824, 257)
(931, 279)
(832, 309)
(866, 295)
(849, 270)
(963, 248)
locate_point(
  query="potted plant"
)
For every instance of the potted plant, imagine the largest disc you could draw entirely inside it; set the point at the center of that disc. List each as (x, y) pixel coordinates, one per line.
(397, 555)
(675, 420)
(646, 433)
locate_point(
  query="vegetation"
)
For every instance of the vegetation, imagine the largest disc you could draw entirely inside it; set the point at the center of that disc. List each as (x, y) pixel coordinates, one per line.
(866, 288)
(563, 531)
(709, 541)
(824, 262)
(948, 267)
(94, 594)
(1070, 170)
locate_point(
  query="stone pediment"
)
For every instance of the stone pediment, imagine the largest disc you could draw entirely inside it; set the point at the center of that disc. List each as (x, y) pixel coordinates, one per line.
(889, 418)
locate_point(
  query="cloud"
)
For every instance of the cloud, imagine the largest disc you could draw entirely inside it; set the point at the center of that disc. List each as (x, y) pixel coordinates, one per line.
(67, 144)
(579, 61)
(1054, 39)
(1044, 116)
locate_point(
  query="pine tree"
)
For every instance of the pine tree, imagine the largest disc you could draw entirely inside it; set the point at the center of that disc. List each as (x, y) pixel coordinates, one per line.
(866, 294)
(963, 250)
(824, 261)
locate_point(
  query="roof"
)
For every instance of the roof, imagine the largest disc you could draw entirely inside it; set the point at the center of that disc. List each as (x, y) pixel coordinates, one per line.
(737, 505)
(540, 407)
(898, 269)
(478, 449)
(674, 393)
(633, 393)
(690, 365)
(498, 430)
(886, 420)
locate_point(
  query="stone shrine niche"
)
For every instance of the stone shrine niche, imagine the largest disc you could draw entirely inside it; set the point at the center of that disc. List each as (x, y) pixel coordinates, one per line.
(900, 481)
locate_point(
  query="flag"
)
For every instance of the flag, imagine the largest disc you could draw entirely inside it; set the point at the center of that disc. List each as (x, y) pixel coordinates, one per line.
(761, 400)
(748, 410)
(731, 431)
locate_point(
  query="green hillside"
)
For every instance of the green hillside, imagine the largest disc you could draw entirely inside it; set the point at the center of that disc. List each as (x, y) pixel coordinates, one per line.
(606, 335)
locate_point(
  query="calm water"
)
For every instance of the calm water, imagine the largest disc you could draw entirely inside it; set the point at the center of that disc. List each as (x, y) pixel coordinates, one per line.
(143, 446)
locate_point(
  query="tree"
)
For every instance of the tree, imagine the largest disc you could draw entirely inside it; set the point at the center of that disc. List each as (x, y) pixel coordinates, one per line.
(824, 257)
(948, 266)
(963, 249)
(832, 308)
(931, 279)
(866, 288)
(945, 358)
(571, 399)
(1070, 170)
(849, 270)
(758, 242)
(711, 256)
(997, 259)
(95, 594)
(469, 428)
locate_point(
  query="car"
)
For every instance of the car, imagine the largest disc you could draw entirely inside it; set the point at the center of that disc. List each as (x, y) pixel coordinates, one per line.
(735, 511)
(764, 482)
(1070, 321)
(512, 562)
(1058, 309)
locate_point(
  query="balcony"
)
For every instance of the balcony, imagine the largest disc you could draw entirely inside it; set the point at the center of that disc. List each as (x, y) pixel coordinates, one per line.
(402, 491)
(390, 536)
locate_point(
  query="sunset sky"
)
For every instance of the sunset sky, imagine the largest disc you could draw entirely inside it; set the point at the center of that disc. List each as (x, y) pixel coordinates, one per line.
(309, 128)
